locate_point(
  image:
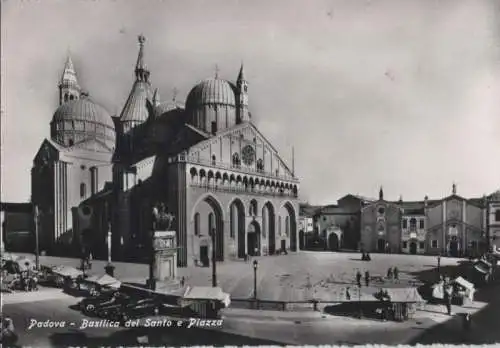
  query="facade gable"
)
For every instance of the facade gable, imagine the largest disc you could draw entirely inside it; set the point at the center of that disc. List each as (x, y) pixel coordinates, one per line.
(48, 153)
(242, 146)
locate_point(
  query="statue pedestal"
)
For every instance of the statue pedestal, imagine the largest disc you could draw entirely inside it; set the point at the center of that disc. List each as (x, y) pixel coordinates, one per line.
(165, 255)
(109, 269)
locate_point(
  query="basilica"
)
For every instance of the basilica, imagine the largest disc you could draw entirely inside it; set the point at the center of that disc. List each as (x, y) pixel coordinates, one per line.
(205, 162)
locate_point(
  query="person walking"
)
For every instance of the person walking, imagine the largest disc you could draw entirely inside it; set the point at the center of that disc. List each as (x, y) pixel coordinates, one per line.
(358, 278)
(448, 291)
(396, 273)
(389, 273)
(367, 278)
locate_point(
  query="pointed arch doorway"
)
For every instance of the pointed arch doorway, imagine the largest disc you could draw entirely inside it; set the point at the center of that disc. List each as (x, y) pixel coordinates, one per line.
(253, 239)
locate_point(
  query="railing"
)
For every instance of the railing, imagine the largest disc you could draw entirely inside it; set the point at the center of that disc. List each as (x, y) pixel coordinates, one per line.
(225, 166)
(212, 187)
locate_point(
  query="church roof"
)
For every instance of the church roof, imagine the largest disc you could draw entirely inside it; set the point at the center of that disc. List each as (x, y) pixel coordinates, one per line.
(83, 109)
(135, 108)
(211, 91)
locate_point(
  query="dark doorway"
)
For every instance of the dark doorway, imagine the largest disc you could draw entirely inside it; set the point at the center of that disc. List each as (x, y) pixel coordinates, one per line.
(381, 245)
(269, 209)
(253, 239)
(301, 240)
(333, 242)
(454, 247)
(283, 245)
(413, 248)
(204, 256)
(238, 226)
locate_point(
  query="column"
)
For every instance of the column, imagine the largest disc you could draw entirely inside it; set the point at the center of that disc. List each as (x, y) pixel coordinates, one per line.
(444, 245)
(2, 218)
(465, 238)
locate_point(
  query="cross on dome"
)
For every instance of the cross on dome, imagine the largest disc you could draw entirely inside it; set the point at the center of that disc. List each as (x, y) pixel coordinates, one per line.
(142, 39)
(174, 94)
(216, 71)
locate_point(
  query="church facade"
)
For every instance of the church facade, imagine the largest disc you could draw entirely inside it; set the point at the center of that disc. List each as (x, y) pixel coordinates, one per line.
(205, 161)
(453, 225)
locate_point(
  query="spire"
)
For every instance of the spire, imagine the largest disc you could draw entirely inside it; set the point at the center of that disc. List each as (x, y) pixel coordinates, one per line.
(68, 76)
(141, 70)
(381, 193)
(454, 189)
(68, 85)
(156, 97)
(241, 75)
(216, 71)
(293, 159)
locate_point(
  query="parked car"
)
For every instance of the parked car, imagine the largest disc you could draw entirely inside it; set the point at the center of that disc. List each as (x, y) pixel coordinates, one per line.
(88, 304)
(115, 312)
(117, 300)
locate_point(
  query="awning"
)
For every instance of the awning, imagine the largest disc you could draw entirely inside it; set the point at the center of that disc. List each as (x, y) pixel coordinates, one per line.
(462, 282)
(104, 280)
(207, 293)
(66, 271)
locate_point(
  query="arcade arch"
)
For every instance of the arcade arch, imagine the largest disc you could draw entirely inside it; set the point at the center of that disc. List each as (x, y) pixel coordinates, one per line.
(268, 225)
(237, 225)
(208, 215)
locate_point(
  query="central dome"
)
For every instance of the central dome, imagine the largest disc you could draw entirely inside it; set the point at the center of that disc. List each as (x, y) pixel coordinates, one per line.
(211, 91)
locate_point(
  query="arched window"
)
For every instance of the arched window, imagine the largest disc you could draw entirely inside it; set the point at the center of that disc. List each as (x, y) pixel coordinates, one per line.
(497, 215)
(71, 97)
(211, 224)
(236, 160)
(413, 223)
(213, 160)
(71, 142)
(83, 190)
(197, 224)
(66, 97)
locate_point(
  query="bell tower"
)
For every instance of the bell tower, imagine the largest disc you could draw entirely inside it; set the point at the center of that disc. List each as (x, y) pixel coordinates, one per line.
(69, 89)
(242, 89)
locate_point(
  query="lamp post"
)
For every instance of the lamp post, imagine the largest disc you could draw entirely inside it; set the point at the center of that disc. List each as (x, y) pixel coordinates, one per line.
(37, 248)
(214, 261)
(255, 265)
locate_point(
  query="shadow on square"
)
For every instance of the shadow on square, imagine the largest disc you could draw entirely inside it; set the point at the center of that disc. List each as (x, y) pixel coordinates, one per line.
(157, 337)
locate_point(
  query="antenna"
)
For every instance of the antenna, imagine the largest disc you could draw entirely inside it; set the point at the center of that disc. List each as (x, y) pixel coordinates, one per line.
(293, 161)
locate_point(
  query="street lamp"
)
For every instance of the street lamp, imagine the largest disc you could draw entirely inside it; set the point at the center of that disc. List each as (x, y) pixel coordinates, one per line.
(214, 261)
(37, 248)
(255, 264)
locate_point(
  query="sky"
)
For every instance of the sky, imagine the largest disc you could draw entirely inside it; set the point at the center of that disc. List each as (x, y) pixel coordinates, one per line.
(403, 94)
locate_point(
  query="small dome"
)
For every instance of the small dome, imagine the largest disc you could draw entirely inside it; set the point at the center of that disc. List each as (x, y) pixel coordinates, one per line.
(166, 107)
(211, 91)
(83, 110)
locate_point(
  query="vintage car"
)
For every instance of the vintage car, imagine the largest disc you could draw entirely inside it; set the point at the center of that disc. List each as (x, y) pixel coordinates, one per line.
(88, 304)
(118, 299)
(133, 310)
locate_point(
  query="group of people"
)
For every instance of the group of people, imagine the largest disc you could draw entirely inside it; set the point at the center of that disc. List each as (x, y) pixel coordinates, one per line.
(393, 273)
(359, 277)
